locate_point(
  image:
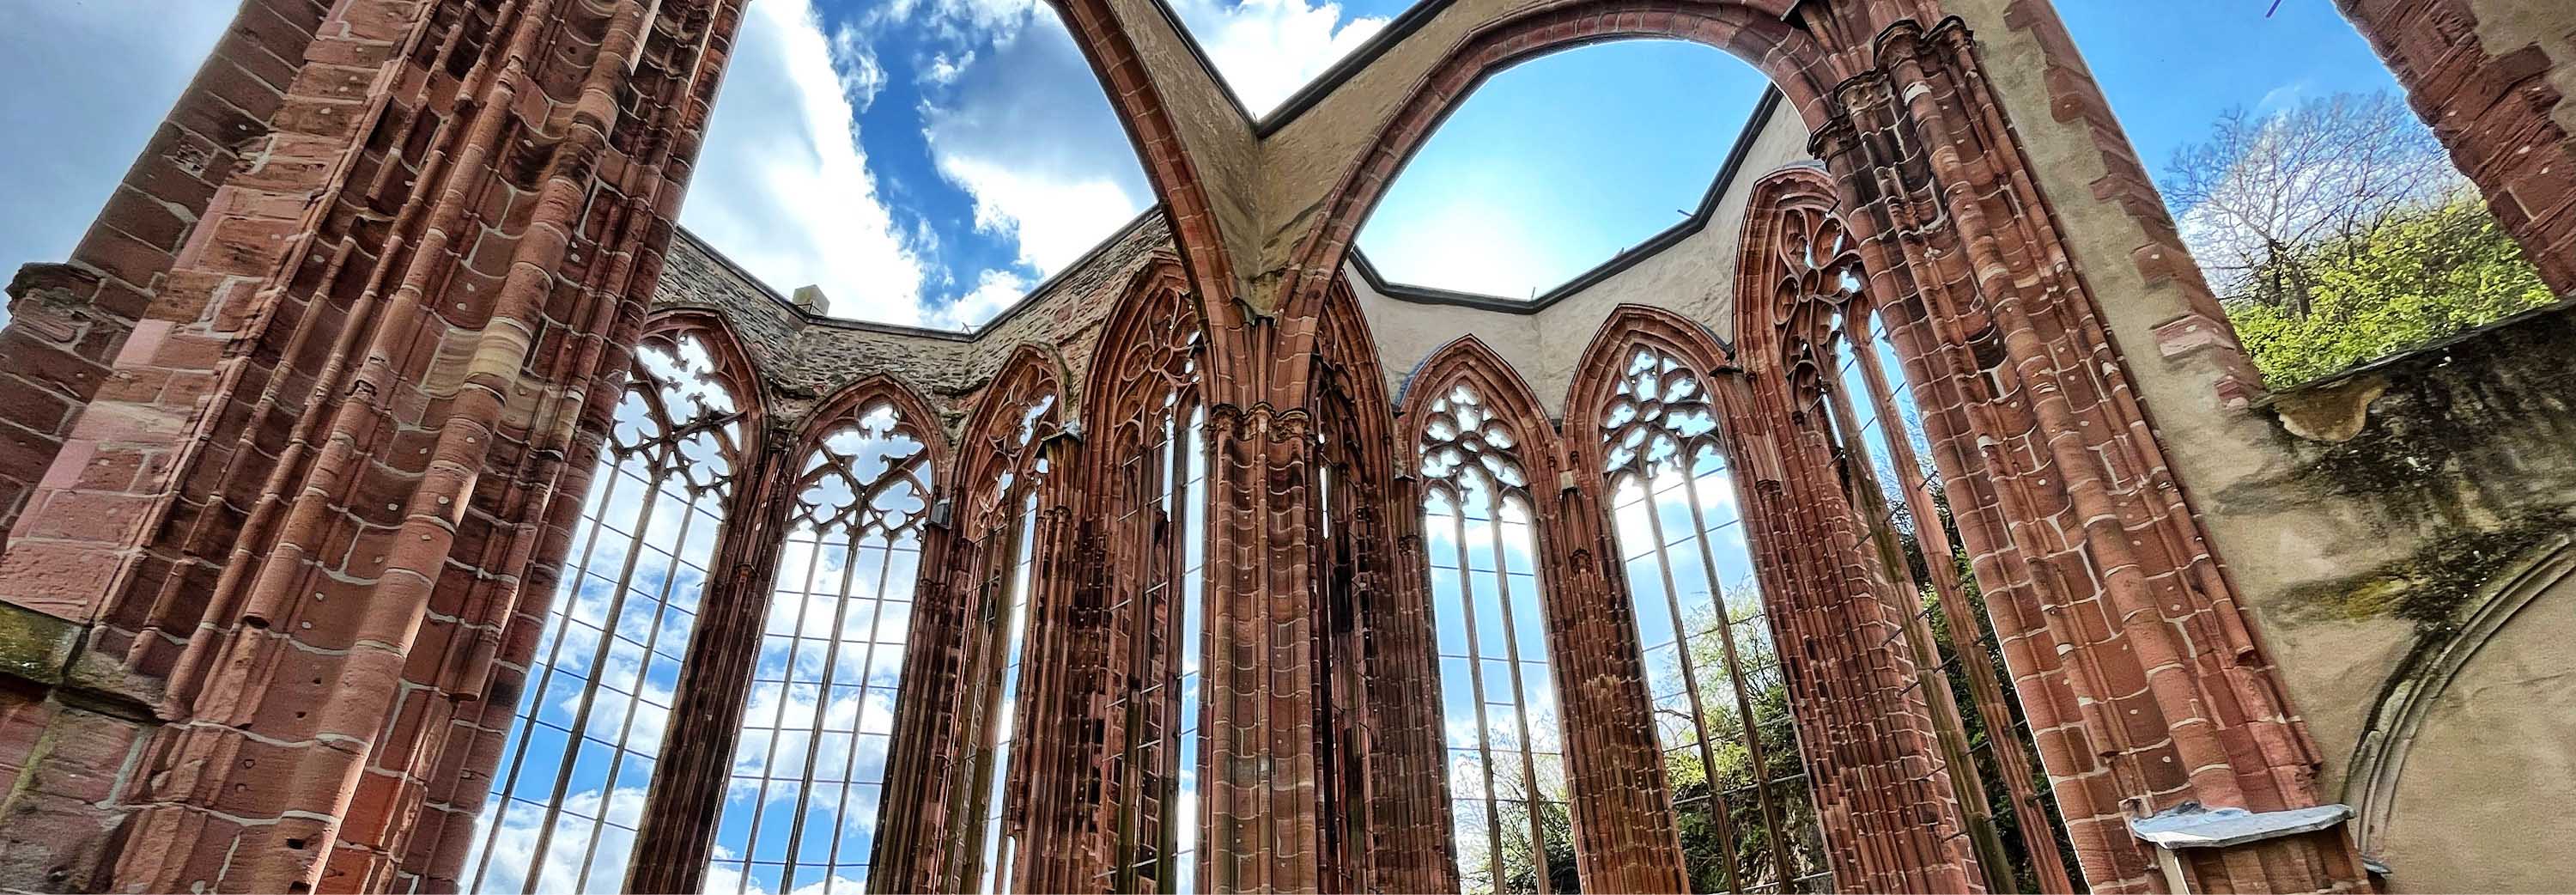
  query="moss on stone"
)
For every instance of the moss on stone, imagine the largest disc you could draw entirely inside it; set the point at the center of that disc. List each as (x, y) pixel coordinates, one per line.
(2452, 570)
(34, 645)
(2436, 585)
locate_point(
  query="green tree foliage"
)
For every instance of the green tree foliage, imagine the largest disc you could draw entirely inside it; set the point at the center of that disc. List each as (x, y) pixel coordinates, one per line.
(2336, 232)
(1739, 838)
(2418, 275)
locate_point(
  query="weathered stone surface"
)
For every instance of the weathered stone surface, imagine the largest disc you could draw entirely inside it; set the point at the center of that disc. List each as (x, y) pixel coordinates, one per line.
(296, 440)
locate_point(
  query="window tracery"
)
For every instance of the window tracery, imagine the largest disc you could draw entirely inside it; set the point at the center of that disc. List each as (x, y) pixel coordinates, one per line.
(1009, 509)
(1158, 463)
(1817, 279)
(808, 771)
(1836, 351)
(1722, 714)
(1512, 823)
(570, 791)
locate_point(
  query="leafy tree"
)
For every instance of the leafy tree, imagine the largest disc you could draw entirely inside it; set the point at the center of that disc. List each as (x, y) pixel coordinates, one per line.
(2420, 275)
(1742, 839)
(2337, 232)
(2261, 189)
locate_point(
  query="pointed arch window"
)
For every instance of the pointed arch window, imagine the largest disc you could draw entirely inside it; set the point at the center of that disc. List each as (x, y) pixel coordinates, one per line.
(1007, 599)
(800, 813)
(1158, 529)
(1746, 813)
(570, 790)
(1839, 355)
(1506, 756)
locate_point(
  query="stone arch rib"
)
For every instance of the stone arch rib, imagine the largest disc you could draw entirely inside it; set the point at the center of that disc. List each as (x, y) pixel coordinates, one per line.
(1802, 64)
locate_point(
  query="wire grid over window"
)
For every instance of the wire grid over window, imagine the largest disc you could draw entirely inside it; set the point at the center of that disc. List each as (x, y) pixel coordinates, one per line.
(1513, 832)
(800, 812)
(1894, 483)
(589, 726)
(1004, 611)
(1165, 474)
(1747, 815)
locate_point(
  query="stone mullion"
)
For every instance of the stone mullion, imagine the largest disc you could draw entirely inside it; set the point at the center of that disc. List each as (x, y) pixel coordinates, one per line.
(1628, 839)
(1748, 720)
(1418, 855)
(1052, 566)
(687, 791)
(1884, 802)
(1260, 792)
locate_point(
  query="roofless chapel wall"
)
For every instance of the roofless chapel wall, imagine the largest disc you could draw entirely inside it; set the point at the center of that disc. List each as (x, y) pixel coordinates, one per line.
(1693, 276)
(281, 545)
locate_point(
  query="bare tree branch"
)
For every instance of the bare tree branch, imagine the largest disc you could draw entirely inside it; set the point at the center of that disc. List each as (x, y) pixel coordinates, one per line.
(2260, 189)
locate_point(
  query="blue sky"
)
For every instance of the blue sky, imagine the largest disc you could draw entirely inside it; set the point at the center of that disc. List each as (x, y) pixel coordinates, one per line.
(927, 161)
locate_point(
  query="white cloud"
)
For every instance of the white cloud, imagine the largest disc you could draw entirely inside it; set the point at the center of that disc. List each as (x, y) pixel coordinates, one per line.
(861, 76)
(1055, 217)
(1266, 49)
(1025, 130)
(945, 70)
(783, 187)
(994, 291)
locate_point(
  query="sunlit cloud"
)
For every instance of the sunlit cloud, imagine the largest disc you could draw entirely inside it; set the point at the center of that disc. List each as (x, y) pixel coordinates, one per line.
(1266, 49)
(784, 186)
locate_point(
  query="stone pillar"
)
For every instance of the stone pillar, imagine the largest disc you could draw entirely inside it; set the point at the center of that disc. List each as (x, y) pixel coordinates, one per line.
(1263, 807)
(1892, 820)
(325, 485)
(1626, 837)
(1409, 826)
(68, 321)
(2119, 623)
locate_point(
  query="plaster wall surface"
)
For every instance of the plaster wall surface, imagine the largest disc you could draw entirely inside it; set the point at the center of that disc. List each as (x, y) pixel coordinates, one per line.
(2491, 772)
(2432, 475)
(1211, 124)
(1694, 277)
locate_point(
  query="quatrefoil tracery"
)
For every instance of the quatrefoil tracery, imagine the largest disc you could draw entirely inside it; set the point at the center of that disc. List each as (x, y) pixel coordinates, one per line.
(868, 477)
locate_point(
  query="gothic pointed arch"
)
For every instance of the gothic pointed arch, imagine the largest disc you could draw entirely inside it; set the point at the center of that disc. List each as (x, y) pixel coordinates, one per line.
(733, 363)
(1805, 56)
(1658, 425)
(1798, 274)
(851, 502)
(614, 641)
(1533, 794)
(855, 400)
(992, 566)
(1629, 328)
(1378, 719)
(1119, 650)
(1151, 344)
